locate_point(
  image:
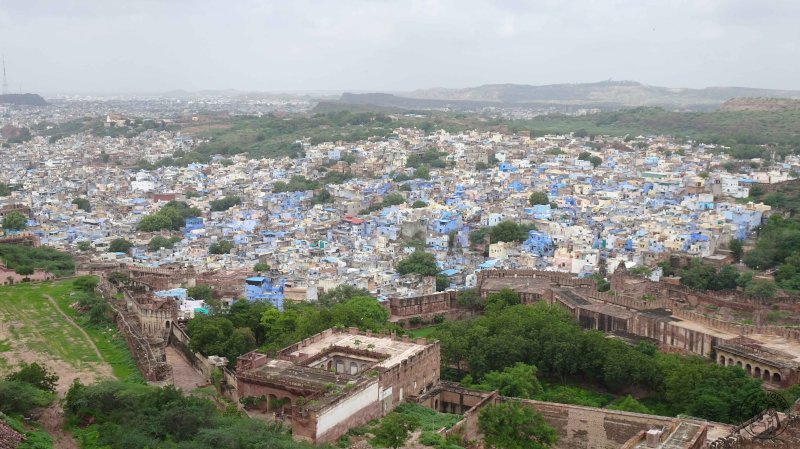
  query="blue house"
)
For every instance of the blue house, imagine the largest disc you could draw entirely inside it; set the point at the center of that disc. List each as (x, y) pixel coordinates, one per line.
(261, 288)
(538, 243)
(447, 222)
(506, 168)
(193, 223)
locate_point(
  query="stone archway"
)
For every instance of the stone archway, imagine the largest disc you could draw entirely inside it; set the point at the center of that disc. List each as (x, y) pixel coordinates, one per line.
(749, 369)
(757, 372)
(272, 402)
(739, 363)
(767, 377)
(722, 360)
(776, 378)
(730, 361)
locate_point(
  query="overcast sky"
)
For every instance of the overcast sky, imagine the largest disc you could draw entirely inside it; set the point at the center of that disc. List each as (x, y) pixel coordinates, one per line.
(104, 46)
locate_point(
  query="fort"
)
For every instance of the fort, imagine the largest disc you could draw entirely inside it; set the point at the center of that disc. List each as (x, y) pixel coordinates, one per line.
(339, 379)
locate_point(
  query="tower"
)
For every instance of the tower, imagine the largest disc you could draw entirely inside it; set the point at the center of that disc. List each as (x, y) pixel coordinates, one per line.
(5, 80)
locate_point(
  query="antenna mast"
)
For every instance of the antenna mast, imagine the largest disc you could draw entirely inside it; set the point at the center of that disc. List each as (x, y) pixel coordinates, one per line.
(5, 80)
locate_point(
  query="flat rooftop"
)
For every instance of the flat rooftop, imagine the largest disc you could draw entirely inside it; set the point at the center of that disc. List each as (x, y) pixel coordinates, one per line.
(520, 285)
(395, 351)
(778, 347)
(284, 372)
(685, 433)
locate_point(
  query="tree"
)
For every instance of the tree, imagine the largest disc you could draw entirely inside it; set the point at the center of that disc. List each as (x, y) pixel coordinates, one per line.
(117, 278)
(518, 381)
(201, 292)
(322, 197)
(159, 242)
(225, 203)
(538, 198)
(419, 204)
(24, 270)
(761, 289)
(36, 375)
(418, 262)
(394, 430)
(393, 199)
(14, 221)
(341, 293)
(21, 397)
(84, 245)
(260, 267)
(422, 173)
(596, 161)
(83, 204)
(629, 404)
(504, 298)
(119, 246)
(511, 425)
(86, 283)
(221, 247)
(470, 299)
(737, 249)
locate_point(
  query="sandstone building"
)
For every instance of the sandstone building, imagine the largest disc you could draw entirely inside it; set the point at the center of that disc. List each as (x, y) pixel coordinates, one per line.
(338, 379)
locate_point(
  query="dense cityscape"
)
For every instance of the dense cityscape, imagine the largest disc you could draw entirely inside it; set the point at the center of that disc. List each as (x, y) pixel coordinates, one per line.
(405, 225)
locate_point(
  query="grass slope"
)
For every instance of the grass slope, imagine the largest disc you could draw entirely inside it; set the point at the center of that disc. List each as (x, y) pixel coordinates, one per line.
(31, 324)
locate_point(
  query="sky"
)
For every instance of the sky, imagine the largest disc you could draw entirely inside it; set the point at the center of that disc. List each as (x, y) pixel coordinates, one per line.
(149, 46)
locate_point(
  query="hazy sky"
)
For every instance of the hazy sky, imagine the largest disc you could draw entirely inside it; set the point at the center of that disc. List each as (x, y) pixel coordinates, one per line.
(103, 46)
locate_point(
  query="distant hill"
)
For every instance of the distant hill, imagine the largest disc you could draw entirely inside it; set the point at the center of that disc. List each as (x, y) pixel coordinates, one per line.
(23, 99)
(603, 95)
(760, 104)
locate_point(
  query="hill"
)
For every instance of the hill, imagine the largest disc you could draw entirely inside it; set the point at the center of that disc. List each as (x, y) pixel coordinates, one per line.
(23, 100)
(604, 95)
(760, 104)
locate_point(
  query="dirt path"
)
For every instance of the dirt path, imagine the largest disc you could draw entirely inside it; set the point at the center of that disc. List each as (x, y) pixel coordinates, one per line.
(52, 421)
(76, 326)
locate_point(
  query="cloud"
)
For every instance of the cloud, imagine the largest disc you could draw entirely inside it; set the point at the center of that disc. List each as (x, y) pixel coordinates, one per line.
(151, 46)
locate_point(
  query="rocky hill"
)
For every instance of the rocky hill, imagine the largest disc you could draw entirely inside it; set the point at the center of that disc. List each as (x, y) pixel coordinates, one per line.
(23, 99)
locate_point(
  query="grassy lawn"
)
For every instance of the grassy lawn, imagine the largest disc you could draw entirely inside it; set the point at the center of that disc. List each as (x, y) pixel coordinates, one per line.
(108, 340)
(422, 332)
(31, 322)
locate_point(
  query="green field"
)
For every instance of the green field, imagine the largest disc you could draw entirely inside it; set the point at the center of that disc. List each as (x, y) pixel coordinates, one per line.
(34, 329)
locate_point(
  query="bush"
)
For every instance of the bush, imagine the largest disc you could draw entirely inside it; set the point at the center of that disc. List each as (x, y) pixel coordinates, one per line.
(18, 397)
(36, 375)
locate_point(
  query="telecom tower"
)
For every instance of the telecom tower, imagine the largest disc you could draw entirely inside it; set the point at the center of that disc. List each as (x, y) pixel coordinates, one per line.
(5, 80)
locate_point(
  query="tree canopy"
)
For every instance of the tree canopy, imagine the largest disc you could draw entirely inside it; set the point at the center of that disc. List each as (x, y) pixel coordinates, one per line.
(512, 425)
(160, 241)
(119, 246)
(419, 262)
(83, 204)
(43, 257)
(538, 198)
(14, 221)
(505, 231)
(121, 415)
(225, 203)
(172, 216)
(221, 247)
(548, 338)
